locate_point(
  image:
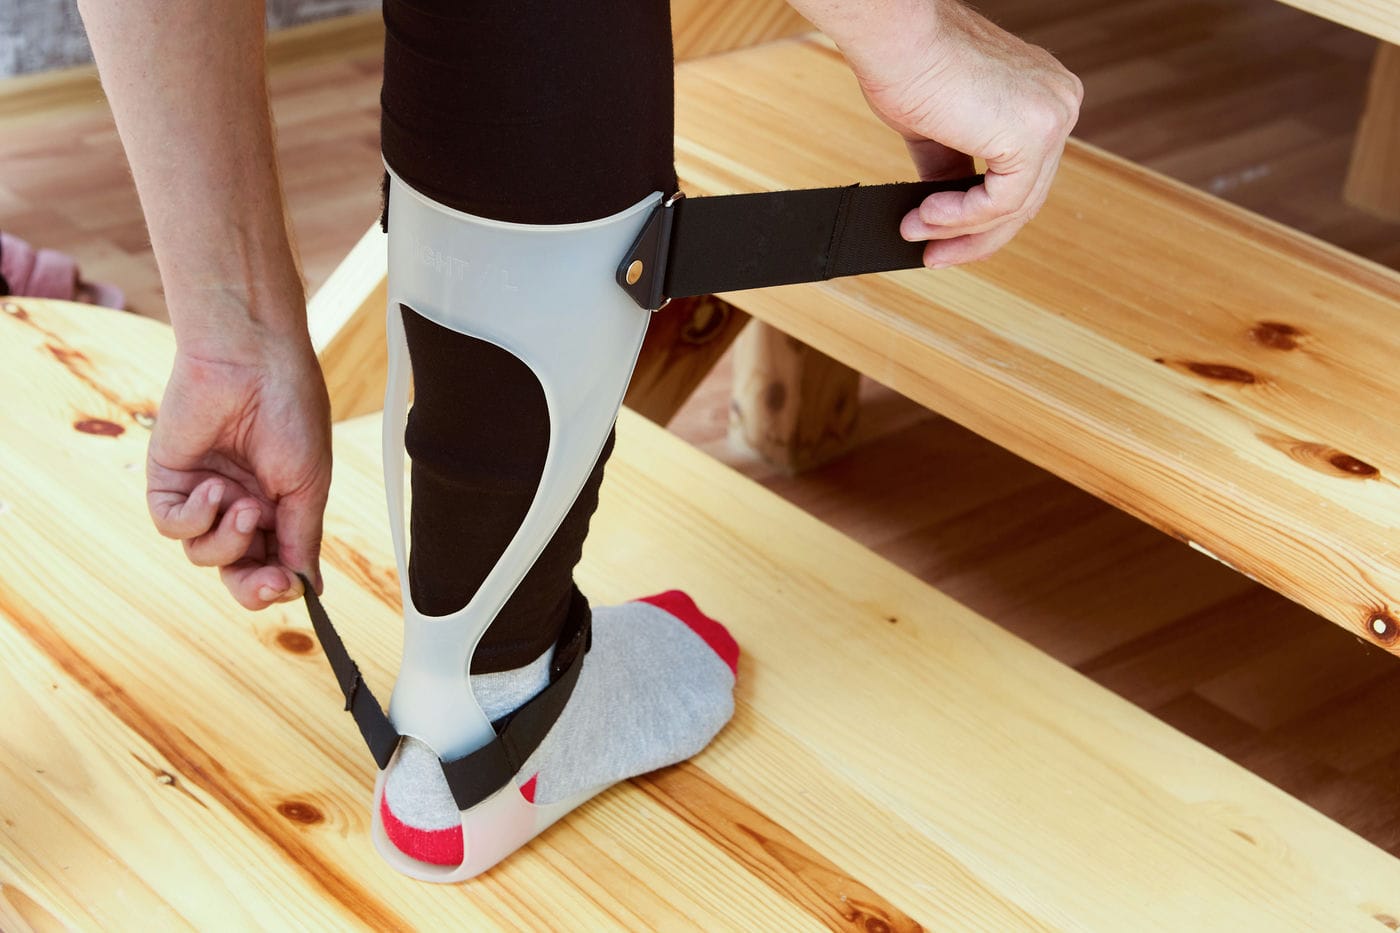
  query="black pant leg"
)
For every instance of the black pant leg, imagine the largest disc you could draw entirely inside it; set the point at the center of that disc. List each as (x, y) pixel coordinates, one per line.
(531, 112)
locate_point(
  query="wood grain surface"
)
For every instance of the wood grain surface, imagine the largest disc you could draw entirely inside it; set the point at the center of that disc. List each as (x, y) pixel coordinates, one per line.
(704, 27)
(1250, 99)
(345, 318)
(1211, 372)
(169, 761)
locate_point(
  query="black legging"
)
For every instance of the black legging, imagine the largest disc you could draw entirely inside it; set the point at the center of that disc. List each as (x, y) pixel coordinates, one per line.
(533, 112)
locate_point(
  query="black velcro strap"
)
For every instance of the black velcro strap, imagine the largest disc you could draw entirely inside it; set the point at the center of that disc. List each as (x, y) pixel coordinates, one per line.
(380, 734)
(481, 773)
(700, 246)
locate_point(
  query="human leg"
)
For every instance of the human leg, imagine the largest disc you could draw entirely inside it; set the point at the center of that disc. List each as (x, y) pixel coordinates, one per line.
(540, 116)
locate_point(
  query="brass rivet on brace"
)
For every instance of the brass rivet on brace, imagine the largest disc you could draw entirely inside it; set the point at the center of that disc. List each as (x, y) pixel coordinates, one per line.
(634, 272)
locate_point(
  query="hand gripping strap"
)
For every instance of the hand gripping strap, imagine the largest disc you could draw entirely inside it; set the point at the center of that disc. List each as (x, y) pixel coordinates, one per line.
(481, 773)
(701, 246)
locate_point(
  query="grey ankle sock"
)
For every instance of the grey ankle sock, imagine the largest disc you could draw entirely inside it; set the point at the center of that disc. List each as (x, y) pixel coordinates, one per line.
(416, 785)
(655, 688)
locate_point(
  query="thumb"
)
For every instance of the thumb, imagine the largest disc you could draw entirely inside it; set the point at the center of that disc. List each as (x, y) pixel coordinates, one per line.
(937, 162)
(299, 523)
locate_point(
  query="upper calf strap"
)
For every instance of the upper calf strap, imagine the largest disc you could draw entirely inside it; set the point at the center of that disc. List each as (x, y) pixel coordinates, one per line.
(703, 246)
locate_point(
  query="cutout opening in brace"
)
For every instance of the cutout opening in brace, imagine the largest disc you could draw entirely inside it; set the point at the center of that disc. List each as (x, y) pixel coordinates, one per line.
(472, 501)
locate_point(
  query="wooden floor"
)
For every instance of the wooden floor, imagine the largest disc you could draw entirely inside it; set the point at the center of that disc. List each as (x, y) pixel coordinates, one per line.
(1252, 100)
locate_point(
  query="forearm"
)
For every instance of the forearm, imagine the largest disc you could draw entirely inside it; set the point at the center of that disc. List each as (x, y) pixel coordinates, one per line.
(187, 87)
(877, 35)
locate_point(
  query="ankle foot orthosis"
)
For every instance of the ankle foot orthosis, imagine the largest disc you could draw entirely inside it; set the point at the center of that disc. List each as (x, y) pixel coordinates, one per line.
(572, 301)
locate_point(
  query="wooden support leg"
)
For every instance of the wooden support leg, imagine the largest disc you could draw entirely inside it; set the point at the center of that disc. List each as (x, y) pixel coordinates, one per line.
(683, 344)
(1373, 180)
(794, 406)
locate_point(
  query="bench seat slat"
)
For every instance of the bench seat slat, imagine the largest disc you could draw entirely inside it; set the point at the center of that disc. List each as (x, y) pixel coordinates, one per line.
(1216, 374)
(1379, 18)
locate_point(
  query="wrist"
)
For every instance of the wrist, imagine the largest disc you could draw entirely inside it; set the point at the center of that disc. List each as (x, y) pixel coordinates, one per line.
(231, 295)
(238, 323)
(899, 39)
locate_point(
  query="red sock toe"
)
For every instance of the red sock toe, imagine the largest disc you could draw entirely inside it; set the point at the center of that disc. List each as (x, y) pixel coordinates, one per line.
(715, 635)
(434, 846)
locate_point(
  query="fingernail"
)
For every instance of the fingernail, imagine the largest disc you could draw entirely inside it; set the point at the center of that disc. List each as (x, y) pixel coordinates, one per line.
(267, 594)
(215, 493)
(940, 265)
(246, 520)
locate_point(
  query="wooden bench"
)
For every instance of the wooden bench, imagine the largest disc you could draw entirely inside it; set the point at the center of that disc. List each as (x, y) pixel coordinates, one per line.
(168, 760)
(1211, 372)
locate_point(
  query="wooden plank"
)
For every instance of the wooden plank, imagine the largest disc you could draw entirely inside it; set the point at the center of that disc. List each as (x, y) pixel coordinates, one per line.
(170, 754)
(40, 94)
(346, 321)
(1211, 372)
(1373, 178)
(704, 27)
(1379, 18)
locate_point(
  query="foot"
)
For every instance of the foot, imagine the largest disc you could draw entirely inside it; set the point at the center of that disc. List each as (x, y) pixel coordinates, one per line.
(656, 687)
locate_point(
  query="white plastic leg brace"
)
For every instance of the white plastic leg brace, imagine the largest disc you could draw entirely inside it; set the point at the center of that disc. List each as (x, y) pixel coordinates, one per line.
(547, 295)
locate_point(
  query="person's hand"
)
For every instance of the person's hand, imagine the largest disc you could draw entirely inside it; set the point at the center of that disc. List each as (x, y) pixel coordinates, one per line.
(972, 89)
(239, 467)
